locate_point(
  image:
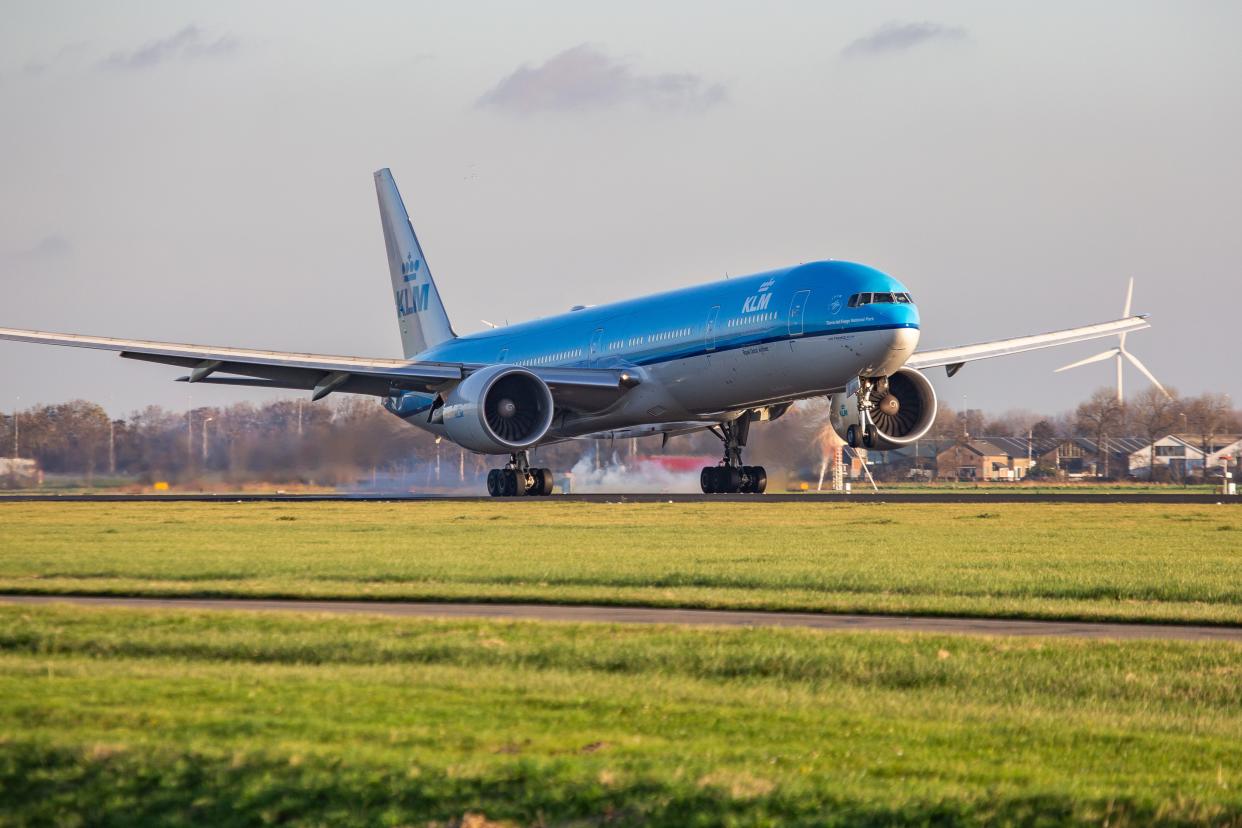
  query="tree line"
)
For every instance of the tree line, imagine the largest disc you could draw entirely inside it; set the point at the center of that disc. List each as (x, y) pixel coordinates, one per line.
(338, 441)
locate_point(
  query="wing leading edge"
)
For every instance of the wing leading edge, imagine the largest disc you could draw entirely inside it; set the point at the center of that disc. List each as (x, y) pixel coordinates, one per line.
(576, 388)
(953, 358)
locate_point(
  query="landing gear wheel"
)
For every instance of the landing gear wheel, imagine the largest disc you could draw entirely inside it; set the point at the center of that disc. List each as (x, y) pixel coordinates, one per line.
(508, 483)
(707, 480)
(493, 483)
(543, 483)
(730, 479)
(520, 487)
(754, 479)
(851, 437)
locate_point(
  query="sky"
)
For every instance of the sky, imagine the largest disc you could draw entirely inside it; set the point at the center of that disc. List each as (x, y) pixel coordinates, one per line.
(201, 172)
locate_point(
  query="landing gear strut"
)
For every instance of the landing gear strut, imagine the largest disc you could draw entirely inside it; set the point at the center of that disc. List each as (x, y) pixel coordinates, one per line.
(730, 476)
(517, 478)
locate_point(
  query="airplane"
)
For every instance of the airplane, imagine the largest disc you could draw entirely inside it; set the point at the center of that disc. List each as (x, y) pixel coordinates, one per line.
(718, 357)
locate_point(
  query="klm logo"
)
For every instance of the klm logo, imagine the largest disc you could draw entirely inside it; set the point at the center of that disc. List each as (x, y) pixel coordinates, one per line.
(412, 297)
(758, 302)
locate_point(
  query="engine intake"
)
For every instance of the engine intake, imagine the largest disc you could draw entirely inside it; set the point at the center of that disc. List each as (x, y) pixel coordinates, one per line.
(498, 409)
(903, 408)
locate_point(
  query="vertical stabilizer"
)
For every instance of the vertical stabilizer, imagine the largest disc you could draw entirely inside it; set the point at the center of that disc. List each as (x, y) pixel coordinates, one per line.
(420, 313)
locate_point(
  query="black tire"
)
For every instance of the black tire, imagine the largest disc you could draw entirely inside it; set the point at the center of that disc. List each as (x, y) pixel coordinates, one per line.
(759, 480)
(546, 483)
(520, 488)
(493, 482)
(851, 437)
(707, 480)
(731, 479)
(508, 483)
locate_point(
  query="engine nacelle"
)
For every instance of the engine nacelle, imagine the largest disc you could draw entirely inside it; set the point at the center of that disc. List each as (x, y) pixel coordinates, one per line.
(902, 411)
(497, 410)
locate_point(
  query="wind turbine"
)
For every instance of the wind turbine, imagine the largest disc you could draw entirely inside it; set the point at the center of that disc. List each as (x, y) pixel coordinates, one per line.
(1119, 352)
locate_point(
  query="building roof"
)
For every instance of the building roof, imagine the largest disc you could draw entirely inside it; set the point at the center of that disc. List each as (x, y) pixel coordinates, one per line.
(1217, 442)
(984, 448)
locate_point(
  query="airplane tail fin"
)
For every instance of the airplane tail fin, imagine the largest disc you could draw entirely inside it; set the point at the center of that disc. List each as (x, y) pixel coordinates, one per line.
(420, 313)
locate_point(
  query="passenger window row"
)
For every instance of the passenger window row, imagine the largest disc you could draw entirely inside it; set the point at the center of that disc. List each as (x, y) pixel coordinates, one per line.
(750, 319)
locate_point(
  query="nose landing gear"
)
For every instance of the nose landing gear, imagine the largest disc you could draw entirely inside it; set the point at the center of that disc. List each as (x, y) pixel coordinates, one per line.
(518, 479)
(730, 476)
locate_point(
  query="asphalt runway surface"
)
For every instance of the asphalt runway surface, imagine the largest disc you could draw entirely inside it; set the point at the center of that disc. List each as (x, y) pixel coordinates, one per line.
(857, 497)
(655, 615)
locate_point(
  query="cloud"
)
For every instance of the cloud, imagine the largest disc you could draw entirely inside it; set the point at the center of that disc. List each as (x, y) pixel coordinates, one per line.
(899, 37)
(188, 44)
(69, 55)
(54, 246)
(584, 78)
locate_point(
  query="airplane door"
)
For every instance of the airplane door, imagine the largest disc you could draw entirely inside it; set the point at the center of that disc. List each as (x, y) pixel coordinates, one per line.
(597, 344)
(797, 310)
(709, 331)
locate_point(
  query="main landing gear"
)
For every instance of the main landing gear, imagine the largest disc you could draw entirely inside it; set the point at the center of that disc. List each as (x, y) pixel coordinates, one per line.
(517, 478)
(731, 476)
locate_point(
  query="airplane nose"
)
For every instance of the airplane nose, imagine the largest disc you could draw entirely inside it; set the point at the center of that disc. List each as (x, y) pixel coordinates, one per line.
(897, 348)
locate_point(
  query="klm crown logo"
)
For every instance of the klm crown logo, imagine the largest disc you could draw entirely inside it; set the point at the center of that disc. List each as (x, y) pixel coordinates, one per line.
(410, 267)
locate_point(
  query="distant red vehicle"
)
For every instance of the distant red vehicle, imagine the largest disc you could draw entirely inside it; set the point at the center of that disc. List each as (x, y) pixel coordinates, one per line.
(674, 462)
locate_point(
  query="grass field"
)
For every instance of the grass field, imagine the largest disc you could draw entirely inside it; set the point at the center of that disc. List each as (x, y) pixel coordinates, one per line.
(1132, 561)
(124, 717)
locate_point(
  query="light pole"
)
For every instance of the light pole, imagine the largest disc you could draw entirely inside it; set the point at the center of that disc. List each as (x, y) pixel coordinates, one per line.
(16, 426)
(112, 447)
(206, 420)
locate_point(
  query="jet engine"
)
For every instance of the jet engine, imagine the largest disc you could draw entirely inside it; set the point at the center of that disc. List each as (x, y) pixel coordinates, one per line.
(901, 409)
(497, 410)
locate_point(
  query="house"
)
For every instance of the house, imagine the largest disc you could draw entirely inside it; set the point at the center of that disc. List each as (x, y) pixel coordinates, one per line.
(1183, 453)
(980, 460)
(1171, 454)
(1232, 450)
(19, 471)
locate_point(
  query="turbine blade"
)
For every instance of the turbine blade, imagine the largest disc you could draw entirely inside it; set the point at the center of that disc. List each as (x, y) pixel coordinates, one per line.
(1129, 295)
(1135, 362)
(1111, 352)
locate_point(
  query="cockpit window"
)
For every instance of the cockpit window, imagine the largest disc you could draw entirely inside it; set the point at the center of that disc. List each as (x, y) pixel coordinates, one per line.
(860, 299)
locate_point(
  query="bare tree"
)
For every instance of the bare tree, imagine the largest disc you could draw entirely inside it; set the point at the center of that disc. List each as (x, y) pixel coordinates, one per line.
(1099, 417)
(1155, 414)
(1207, 415)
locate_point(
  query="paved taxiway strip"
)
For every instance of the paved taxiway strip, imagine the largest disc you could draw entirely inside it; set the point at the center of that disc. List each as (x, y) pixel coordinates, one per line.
(653, 615)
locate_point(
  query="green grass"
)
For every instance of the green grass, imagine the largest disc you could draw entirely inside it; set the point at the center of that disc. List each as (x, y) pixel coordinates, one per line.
(1134, 561)
(124, 717)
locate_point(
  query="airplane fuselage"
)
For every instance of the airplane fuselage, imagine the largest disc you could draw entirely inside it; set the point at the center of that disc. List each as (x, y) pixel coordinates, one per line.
(708, 350)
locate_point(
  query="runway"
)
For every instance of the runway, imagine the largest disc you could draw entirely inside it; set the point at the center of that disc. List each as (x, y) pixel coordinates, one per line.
(655, 615)
(981, 498)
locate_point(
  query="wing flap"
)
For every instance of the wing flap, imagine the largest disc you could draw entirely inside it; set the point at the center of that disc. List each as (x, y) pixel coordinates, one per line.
(1003, 347)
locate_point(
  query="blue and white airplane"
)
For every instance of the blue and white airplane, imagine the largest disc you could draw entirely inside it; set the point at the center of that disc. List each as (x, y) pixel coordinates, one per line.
(719, 356)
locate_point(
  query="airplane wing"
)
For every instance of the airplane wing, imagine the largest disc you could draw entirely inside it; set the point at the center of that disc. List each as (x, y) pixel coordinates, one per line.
(584, 389)
(954, 358)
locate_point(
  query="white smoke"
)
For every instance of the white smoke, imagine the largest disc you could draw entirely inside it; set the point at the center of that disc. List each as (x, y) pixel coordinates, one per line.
(630, 477)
